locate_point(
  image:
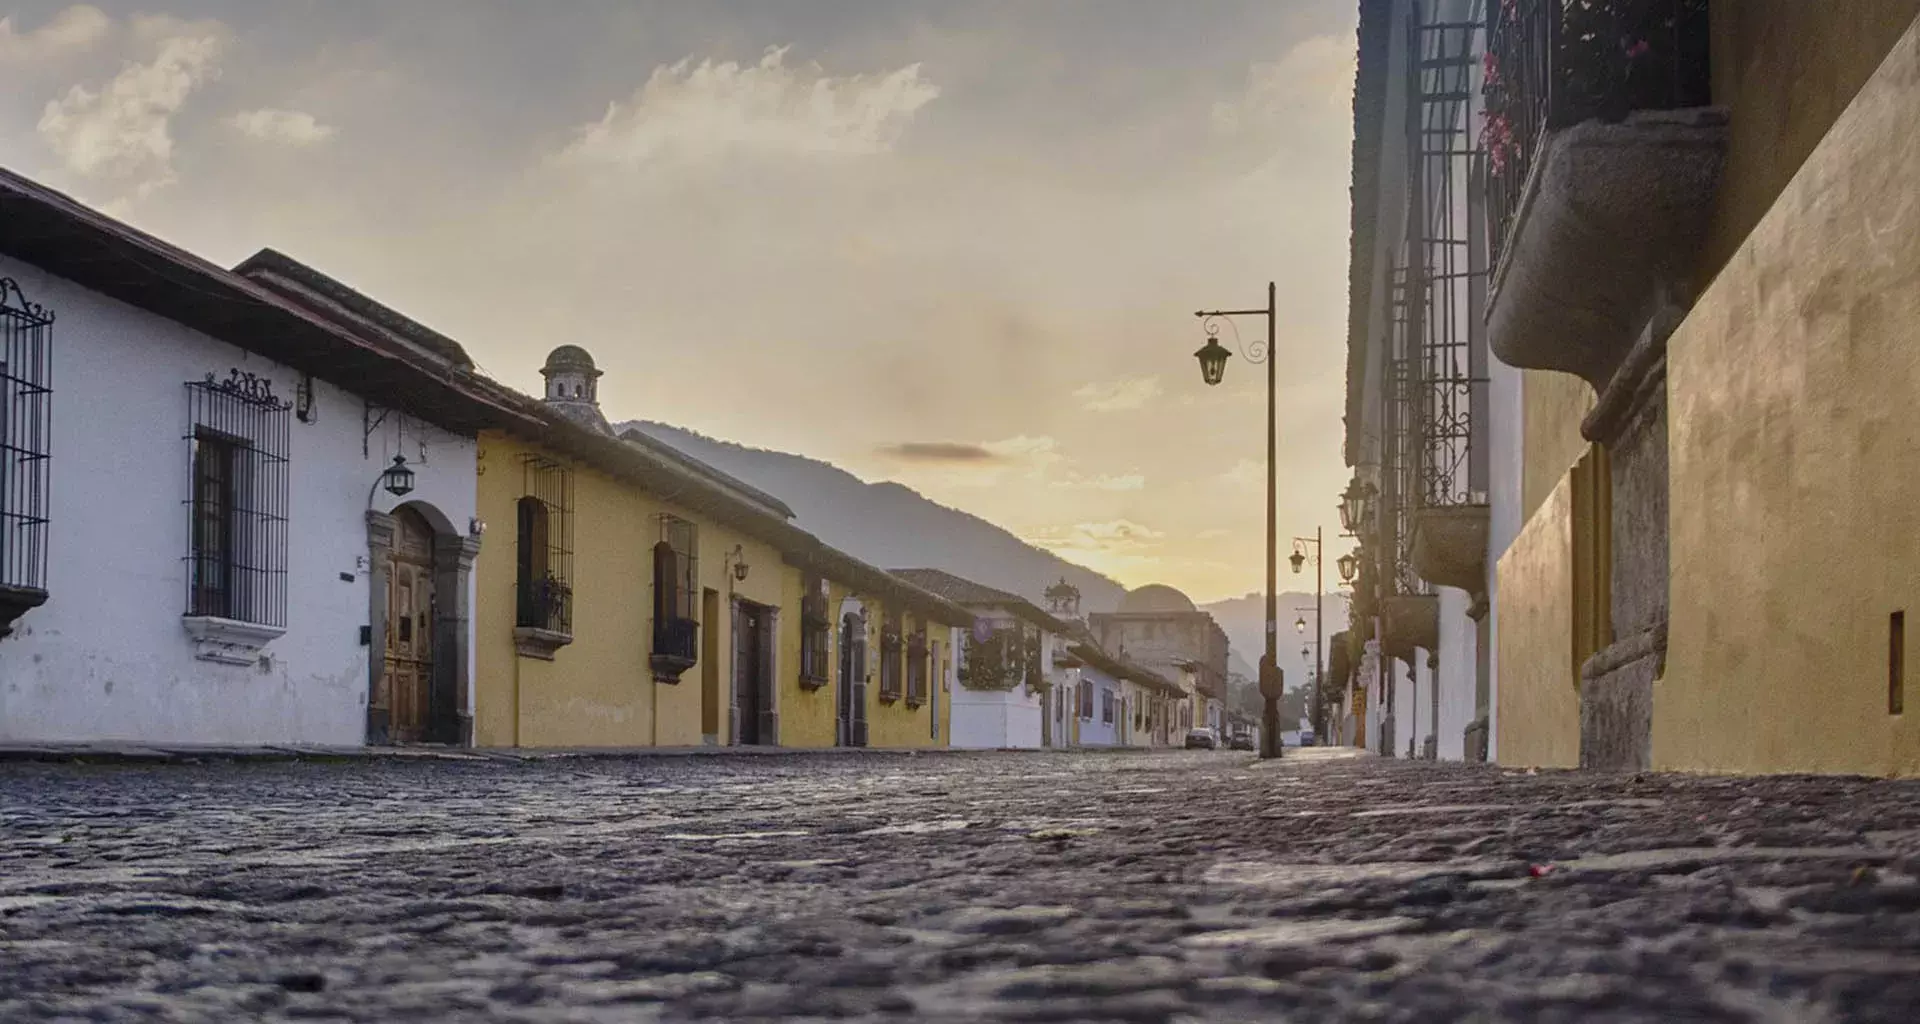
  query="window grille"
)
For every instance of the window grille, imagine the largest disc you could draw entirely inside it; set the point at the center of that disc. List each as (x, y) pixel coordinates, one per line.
(917, 657)
(816, 635)
(891, 648)
(676, 588)
(544, 546)
(238, 438)
(26, 427)
(1106, 707)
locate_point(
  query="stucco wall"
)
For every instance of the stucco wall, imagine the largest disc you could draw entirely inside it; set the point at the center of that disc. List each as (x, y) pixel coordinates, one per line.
(1552, 406)
(599, 689)
(1787, 69)
(1093, 731)
(1795, 499)
(1457, 675)
(1538, 698)
(1506, 472)
(107, 657)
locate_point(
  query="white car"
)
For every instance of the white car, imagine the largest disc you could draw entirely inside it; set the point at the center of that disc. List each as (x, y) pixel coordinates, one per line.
(1202, 738)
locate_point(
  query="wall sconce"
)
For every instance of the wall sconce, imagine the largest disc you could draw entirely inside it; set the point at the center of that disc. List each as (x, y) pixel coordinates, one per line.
(476, 526)
(398, 479)
(738, 558)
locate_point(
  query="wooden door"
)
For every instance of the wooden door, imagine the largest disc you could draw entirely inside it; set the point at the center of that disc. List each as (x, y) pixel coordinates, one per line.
(749, 698)
(409, 640)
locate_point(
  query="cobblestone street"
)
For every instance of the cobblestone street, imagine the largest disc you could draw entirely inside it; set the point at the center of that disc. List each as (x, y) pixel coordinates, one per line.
(1136, 887)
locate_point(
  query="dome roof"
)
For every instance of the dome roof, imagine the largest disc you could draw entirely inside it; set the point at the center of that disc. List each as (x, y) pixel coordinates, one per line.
(1155, 598)
(569, 359)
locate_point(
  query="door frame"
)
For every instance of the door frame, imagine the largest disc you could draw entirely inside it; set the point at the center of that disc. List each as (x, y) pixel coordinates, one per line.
(450, 713)
(761, 668)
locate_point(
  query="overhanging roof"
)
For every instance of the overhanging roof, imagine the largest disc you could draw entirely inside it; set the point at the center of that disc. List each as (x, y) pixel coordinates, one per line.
(1120, 668)
(978, 595)
(1369, 122)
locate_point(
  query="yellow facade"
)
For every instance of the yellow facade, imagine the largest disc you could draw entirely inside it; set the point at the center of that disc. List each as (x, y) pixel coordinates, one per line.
(599, 691)
(1795, 499)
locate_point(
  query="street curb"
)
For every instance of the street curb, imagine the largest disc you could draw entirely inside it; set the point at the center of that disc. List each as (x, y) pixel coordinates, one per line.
(161, 754)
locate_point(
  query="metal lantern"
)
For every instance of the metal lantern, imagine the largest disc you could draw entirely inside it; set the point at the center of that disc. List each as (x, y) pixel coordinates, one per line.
(1349, 566)
(398, 479)
(1298, 559)
(1213, 360)
(1350, 519)
(1300, 624)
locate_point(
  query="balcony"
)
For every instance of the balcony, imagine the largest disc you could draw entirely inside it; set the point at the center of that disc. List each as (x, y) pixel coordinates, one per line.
(676, 647)
(1603, 157)
(543, 616)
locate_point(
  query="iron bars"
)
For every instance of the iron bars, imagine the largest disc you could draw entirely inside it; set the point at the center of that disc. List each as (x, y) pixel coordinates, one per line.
(26, 427)
(544, 579)
(238, 438)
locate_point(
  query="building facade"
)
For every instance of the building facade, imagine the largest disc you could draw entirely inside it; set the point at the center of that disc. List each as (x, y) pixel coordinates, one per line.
(1160, 629)
(195, 468)
(1697, 279)
(1007, 671)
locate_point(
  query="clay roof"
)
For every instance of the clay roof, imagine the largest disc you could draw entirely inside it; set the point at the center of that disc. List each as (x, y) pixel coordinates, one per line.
(1121, 668)
(976, 595)
(277, 271)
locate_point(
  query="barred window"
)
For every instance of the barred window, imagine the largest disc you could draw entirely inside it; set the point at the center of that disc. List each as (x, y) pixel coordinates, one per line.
(1106, 706)
(917, 663)
(1084, 701)
(676, 590)
(816, 635)
(544, 547)
(238, 438)
(892, 647)
(26, 427)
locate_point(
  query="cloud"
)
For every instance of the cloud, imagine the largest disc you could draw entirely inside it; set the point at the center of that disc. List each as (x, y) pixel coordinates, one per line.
(73, 30)
(1118, 395)
(121, 133)
(1104, 482)
(1315, 72)
(1246, 473)
(938, 451)
(290, 127)
(695, 113)
(1112, 535)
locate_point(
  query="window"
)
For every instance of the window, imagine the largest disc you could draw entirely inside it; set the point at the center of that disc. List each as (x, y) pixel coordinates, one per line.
(1084, 701)
(917, 660)
(237, 500)
(816, 635)
(891, 648)
(676, 586)
(1106, 706)
(26, 424)
(544, 552)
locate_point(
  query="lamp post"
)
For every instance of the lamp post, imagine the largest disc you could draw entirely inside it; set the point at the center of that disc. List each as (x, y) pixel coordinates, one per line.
(1213, 365)
(1299, 558)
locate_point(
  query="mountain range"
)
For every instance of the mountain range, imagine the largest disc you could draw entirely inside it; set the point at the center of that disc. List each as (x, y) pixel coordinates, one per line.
(895, 527)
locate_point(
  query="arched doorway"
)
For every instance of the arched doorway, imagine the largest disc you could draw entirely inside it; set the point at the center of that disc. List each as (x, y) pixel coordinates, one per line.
(418, 686)
(410, 629)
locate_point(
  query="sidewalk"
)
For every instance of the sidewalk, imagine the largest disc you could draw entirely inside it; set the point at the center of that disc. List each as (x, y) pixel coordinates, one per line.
(184, 753)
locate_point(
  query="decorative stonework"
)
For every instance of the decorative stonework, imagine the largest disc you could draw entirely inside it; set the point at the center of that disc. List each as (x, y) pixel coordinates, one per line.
(543, 644)
(1613, 217)
(229, 641)
(15, 602)
(1450, 546)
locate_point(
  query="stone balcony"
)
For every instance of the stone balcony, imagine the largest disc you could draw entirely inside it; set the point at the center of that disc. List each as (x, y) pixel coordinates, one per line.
(1605, 236)
(1450, 546)
(1410, 621)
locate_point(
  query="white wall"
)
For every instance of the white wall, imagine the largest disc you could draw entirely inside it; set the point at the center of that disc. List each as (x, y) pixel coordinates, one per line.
(1507, 457)
(1093, 731)
(988, 720)
(106, 658)
(1459, 640)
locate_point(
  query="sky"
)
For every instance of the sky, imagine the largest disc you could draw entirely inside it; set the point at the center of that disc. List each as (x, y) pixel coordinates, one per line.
(953, 244)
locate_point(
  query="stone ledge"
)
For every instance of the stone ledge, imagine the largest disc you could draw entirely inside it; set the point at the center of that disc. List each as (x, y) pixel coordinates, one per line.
(1450, 545)
(229, 641)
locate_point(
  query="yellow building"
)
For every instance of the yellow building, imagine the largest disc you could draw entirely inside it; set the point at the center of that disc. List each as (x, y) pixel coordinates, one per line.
(1718, 428)
(631, 596)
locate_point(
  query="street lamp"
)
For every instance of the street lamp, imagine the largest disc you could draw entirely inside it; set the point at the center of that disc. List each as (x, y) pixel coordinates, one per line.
(1354, 505)
(1300, 558)
(1348, 565)
(397, 479)
(1213, 366)
(1300, 626)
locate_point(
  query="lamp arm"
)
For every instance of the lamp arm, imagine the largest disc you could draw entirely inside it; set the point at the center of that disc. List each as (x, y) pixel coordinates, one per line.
(1254, 352)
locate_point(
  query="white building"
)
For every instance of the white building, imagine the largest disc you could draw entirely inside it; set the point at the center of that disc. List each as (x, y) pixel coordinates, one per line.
(1106, 690)
(1015, 643)
(214, 501)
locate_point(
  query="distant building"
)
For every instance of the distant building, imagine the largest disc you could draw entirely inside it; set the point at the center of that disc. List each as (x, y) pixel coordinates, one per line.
(1159, 628)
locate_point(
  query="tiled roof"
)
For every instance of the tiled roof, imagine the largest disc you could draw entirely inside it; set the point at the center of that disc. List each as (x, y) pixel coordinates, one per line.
(977, 595)
(268, 264)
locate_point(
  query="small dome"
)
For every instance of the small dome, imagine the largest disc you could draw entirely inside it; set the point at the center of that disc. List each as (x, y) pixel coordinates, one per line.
(569, 359)
(1153, 599)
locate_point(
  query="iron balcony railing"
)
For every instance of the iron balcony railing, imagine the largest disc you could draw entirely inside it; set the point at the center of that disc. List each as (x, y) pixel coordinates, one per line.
(544, 602)
(1555, 63)
(677, 640)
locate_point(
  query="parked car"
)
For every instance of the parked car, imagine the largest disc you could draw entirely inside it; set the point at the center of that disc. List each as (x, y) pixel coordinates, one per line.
(1241, 741)
(1308, 739)
(1202, 738)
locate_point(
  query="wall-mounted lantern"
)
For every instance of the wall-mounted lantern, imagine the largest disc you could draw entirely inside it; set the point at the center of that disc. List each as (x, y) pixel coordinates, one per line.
(398, 479)
(1349, 567)
(738, 558)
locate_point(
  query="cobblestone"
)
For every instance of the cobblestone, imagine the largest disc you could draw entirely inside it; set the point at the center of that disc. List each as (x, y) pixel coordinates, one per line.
(951, 887)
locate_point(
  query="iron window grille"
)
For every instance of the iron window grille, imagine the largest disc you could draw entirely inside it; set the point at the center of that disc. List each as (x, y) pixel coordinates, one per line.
(544, 547)
(816, 636)
(1447, 273)
(1555, 63)
(1106, 707)
(892, 645)
(918, 657)
(238, 438)
(26, 429)
(676, 589)
(1084, 701)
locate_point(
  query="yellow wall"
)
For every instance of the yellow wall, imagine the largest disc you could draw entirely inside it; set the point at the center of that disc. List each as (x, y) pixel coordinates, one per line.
(1539, 695)
(895, 724)
(807, 717)
(1553, 404)
(1796, 467)
(1787, 69)
(599, 690)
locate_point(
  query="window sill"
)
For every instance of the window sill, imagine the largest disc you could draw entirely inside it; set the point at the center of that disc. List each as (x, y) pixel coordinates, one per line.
(813, 682)
(668, 668)
(914, 704)
(889, 698)
(229, 641)
(15, 602)
(534, 642)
